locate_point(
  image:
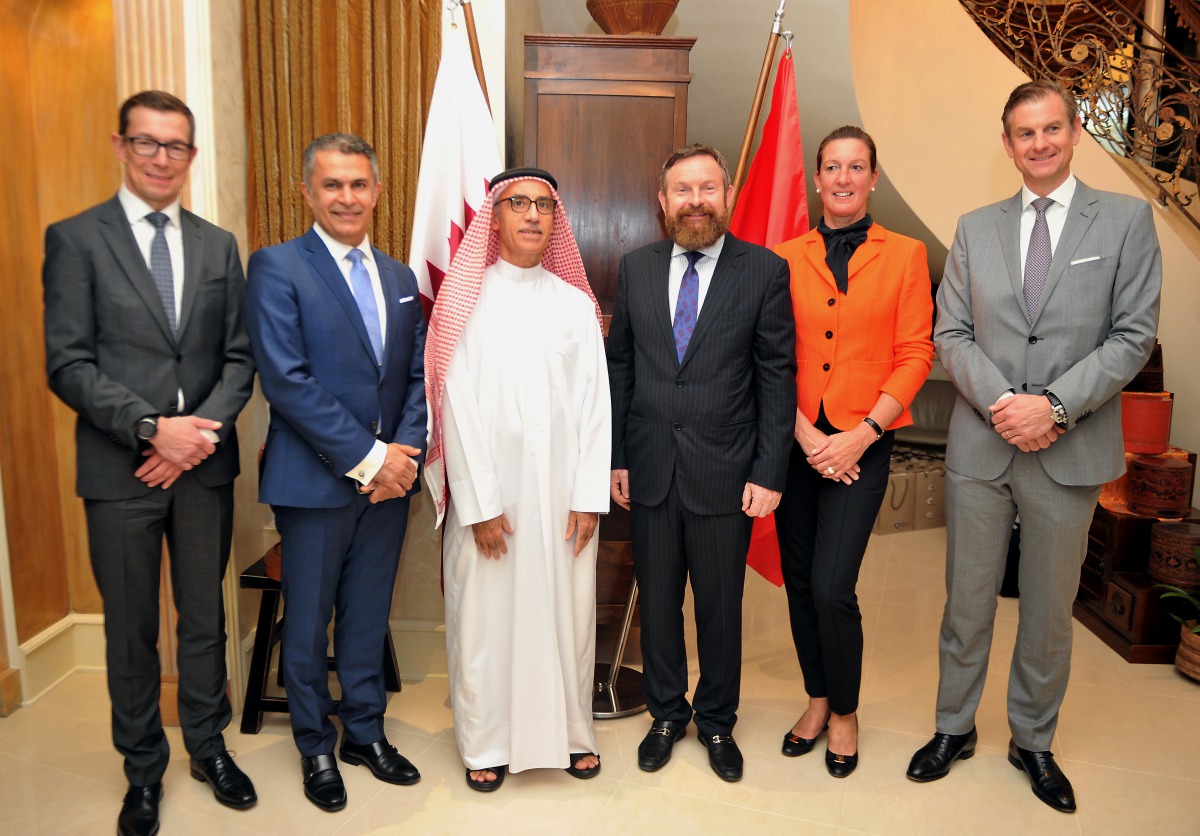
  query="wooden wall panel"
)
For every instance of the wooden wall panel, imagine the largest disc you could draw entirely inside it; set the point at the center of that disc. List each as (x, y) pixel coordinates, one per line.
(75, 111)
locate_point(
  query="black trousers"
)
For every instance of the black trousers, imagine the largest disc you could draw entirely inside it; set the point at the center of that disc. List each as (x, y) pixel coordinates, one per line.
(671, 544)
(823, 528)
(126, 538)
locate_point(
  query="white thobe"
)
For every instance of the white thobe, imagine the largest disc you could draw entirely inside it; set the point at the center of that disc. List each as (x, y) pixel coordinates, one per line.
(526, 422)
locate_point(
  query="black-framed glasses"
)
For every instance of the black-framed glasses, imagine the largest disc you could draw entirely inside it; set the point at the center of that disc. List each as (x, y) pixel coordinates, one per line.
(144, 146)
(520, 203)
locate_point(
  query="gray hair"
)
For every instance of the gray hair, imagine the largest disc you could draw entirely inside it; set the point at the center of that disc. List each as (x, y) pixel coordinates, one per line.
(343, 144)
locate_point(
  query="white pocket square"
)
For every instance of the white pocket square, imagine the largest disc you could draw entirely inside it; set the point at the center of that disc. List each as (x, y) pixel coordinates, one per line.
(410, 298)
(1085, 260)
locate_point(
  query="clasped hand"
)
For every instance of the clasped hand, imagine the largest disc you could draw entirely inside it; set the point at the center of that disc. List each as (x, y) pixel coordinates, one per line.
(396, 476)
(1025, 421)
(833, 456)
(178, 445)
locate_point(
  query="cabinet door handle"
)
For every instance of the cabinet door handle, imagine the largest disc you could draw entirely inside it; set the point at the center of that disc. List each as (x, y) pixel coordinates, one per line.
(1117, 605)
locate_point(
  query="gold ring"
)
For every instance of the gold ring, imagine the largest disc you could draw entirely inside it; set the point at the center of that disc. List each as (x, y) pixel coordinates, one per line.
(1008, 433)
(829, 470)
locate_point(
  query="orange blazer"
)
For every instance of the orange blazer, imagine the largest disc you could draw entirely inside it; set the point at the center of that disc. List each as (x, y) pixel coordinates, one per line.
(873, 339)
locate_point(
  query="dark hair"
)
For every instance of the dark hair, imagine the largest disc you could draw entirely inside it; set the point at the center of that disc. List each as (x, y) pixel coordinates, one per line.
(342, 143)
(693, 150)
(156, 100)
(850, 132)
(1032, 91)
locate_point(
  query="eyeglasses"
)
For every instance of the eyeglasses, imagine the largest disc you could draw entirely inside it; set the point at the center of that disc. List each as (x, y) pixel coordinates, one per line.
(144, 146)
(520, 204)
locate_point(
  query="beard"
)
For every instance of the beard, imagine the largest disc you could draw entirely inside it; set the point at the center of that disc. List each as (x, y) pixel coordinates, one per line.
(693, 237)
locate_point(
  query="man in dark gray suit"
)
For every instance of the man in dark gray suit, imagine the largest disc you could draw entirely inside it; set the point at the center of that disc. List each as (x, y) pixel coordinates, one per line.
(702, 367)
(1048, 307)
(145, 341)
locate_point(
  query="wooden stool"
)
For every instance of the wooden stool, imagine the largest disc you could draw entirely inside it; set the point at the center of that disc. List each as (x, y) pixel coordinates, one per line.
(269, 631)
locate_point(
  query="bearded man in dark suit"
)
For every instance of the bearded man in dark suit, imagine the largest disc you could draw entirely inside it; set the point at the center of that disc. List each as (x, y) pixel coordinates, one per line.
(702, 367)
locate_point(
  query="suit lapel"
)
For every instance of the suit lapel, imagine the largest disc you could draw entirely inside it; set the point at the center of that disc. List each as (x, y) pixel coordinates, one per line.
(660, 294)
(868, 251)
(118, 235)
(814, 254)
(720, 287)
(1080, 215)
(1008, 229)
(193, 257)
(391, 303)
(323, 265)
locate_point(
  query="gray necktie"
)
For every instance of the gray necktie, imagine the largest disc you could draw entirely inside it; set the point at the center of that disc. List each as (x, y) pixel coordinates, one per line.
(160, 267)
(1037, 257)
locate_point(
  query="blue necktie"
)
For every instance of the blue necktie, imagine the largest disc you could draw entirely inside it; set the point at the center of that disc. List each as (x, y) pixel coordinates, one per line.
(160, 268)
(364, 295)
(687, 306)
(1037, 257)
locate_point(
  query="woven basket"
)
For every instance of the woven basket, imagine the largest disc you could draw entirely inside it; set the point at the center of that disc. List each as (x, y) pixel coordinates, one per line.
(1187, 657)
(632, 17)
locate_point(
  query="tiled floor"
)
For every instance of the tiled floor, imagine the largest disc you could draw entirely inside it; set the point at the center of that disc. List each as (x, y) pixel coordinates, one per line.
(1129, 740)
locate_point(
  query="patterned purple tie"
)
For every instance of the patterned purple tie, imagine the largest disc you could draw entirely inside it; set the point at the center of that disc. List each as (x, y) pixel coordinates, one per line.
(1037, 257)
(688, 304)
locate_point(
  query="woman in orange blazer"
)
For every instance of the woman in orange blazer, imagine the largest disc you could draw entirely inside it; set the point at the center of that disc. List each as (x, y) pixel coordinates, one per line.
(864, 311)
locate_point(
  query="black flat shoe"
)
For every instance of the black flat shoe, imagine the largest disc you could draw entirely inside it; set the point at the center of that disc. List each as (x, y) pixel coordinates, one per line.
(840, 766)
(723, 756)
(382, 759)
(794, 746)
(590, 772)
(655, 749)
(933, 760)
(139, 811)
(487, 786)
(229, 784)
(323, 783)
(1045, 778)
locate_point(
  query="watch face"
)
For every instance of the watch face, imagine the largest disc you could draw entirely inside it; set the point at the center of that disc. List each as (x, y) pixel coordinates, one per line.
(146, 428)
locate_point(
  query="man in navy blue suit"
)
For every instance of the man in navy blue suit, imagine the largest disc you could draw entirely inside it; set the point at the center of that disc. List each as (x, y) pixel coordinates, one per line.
(339, 335)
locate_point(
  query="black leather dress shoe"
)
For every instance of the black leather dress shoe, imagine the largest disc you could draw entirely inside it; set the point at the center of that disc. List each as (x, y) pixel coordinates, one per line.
(794, 746)
(139, 812)
(323, 783)
(1045, 778)
(382, 759)
(229, 784)
(723, 756)
(932, 761)
(655, 749)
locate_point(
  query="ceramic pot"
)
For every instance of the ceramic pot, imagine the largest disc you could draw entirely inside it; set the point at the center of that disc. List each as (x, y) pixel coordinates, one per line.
(632, 17)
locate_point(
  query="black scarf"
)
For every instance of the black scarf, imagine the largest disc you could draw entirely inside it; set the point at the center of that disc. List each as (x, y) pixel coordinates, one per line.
(840, 246)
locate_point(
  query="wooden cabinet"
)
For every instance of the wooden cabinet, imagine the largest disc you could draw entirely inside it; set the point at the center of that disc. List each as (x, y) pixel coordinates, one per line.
(1117, 600)
(602, 114)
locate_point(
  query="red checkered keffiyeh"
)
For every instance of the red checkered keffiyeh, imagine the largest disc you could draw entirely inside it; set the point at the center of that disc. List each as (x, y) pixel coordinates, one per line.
(480, 248)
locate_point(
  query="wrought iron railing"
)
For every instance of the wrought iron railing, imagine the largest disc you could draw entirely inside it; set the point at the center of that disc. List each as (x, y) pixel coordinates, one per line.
(1138, 95)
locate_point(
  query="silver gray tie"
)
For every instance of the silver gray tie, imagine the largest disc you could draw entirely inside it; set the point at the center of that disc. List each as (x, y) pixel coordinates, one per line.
(160, 268)
(1037, 258)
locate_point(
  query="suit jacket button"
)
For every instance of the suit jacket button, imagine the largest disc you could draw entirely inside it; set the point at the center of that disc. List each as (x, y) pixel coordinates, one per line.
(831, 302)
(374, 426)
(178, 358)
(829, 335)
(1032, 340)
(678, 425)
(825, 367)
(1024, 387)
(678, 384)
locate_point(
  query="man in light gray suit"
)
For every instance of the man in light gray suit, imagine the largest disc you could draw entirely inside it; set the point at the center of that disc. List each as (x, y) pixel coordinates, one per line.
(145, 341)
(1048, 307)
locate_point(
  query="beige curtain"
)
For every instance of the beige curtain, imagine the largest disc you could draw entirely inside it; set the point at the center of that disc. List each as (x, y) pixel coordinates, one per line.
(316, 66)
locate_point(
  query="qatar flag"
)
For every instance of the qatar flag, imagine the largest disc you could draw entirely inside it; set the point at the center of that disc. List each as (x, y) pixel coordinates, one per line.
(458, 157)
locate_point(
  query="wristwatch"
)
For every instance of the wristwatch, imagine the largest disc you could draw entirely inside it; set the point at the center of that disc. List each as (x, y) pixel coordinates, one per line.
(1057, 411)
(146, 427)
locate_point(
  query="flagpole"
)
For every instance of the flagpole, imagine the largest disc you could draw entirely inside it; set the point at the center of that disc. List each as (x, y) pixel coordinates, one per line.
(756, 107)
(473, 38)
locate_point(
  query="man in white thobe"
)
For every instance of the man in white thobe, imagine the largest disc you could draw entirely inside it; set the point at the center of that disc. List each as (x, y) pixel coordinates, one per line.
(518, 387)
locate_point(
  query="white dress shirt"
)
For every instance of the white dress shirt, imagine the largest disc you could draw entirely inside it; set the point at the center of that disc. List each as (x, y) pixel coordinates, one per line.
(704, 269)
(366, 470)
(1056, 216)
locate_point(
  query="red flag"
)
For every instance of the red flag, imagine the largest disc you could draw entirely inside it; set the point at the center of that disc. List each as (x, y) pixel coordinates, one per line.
(772, 207)
(458, 157)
